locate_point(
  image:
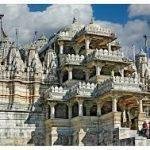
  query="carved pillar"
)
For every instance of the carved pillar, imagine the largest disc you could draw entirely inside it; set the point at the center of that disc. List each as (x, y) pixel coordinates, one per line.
(69, 73)
(98, 70)
(114, 104)
(87, 43)
(81, 134)
(52, 105)
(80, 104)
(112, 73)
(69, 110)
(61, 47)
(86, 75)
(141, 106)
(54, 135)
(99, 109)
(61, 78)
(121, 71)
(47, 111)
(109, 46)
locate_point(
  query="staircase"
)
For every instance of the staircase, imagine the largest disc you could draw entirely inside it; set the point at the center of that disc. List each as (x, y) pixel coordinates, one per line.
(126, 135)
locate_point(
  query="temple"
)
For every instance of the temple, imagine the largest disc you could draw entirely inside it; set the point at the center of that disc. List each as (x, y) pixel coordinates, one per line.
(75, 88)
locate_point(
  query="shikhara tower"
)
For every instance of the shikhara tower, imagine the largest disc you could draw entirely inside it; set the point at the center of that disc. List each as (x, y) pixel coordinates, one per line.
(76, 88)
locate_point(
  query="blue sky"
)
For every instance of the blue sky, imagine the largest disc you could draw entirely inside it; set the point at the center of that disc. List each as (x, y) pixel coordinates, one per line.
(115, 13)
(129, 22)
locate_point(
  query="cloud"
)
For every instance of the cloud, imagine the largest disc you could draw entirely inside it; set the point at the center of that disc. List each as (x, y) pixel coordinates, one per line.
(139, 10)
(48, 21)
(57, 16)
(129, 34)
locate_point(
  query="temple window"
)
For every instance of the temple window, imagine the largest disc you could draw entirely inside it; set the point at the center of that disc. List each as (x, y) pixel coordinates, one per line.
(78, 74)
(93, 110)
(107, 107)
(92, 72)
(106, 70)
(75, 109)
(61, 111)
(147, 110)
(65, 76)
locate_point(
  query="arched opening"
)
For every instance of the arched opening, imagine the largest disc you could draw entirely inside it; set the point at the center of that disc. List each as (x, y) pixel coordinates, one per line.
(117, 73)
(65, 75)
(61, 111)
(82, 51)
(92, 72)
(78, 74)
(75, 109)
(69, 50)
(93, 110)
(106, 108)
(106, 70)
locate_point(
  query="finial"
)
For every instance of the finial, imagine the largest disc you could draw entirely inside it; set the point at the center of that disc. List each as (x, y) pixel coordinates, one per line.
(3, 35)
(92, 20)
(74, 20)
(76, 15)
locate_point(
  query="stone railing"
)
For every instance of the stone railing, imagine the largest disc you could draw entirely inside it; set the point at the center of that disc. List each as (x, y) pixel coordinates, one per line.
(55, 92)
(104, 54)
(71, 59)
(81, 89)
(97, 30)
(119, 84)
(64, 36)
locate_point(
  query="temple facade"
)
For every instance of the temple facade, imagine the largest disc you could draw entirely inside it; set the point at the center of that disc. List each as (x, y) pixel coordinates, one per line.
(75, 88)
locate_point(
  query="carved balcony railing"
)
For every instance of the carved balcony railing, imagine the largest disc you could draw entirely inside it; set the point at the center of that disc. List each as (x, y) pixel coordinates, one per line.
(55, 93)
(64, 36)
(104, 54)
(71, 59)
(81, 89)
(118, 83)
(97, 30)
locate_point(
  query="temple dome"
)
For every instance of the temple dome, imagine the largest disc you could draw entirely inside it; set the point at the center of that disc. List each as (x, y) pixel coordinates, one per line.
(72, 29)
(96, 28)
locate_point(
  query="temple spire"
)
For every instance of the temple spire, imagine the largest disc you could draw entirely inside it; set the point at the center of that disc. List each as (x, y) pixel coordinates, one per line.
(3, 35)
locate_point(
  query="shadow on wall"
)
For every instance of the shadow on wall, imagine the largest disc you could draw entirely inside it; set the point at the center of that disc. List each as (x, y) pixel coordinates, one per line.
(37, 117)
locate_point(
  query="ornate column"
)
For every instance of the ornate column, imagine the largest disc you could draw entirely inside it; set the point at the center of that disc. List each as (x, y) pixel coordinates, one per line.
(52, 105)
(141, 106)
(114, 104)
(87, 43)
(109, 46)
(99, 109)
(80, 104)
(98, 70)
(69, 73)
(47, 111)
(86, 75)
(61, 47)
(121, 71)
(112, 73)
(61, 77)
(69, 110)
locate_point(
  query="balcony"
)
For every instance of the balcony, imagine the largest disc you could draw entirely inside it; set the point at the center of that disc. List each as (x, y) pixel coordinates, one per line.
(59, 122)
(105, 55)
(81, 89)
(71, 59)
(118, 83)
(55, 93)
(96, 29)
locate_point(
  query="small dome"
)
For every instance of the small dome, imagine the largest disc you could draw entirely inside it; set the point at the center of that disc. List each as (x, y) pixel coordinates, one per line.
(72, 29)
(97, 29)
(142, 53)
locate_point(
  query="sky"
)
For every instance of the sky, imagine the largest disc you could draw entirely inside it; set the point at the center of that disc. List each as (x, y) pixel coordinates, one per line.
(129, 22)
(107, 12)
